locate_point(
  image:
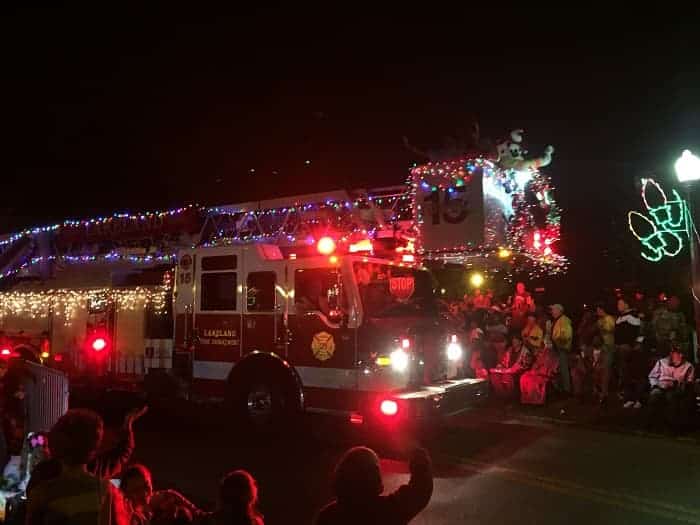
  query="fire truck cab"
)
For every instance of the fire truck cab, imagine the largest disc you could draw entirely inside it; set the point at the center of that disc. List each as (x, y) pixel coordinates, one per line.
(279, 330)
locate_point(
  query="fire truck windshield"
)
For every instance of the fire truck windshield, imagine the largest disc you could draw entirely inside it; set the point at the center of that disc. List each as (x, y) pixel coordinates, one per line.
(394, 291)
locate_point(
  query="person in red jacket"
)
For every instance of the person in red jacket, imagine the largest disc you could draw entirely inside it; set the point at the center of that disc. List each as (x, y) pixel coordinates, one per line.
(358, 489)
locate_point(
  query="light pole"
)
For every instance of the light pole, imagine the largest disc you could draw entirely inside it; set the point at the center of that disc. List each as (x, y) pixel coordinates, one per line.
(687, 172)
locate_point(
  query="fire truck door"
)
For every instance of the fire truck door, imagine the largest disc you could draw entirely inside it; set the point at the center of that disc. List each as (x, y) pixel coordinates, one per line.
(262, 328)
(218, 317)
(322, 347)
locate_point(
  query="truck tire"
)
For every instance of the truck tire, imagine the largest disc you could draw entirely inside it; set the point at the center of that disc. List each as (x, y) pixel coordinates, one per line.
(263, 396)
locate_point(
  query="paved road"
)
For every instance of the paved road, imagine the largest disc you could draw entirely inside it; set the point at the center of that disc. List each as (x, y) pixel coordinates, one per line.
(510, 471)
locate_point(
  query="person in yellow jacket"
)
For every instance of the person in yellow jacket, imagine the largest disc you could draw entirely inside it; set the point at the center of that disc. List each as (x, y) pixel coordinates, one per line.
(562, 337)
(533, 336)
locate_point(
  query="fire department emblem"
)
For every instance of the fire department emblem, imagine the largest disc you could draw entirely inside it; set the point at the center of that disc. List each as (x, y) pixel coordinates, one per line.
(402, 288)
(323, 346)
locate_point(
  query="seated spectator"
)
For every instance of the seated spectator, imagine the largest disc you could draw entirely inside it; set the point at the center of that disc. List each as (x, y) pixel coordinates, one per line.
(238, 501)
(358, 489)
(591, 373)
(75, 496)
(516, 360)
(536, 382)
(671, 394)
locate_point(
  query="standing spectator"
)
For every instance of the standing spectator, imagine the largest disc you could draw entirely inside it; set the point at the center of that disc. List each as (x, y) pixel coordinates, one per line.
(671, 380)
(587, 329)
(681, 327)
(664, 326)
(358, 489)
(606, 328)
(632, 360)
(562, 336)
(521, 304)
(75, 496)
(533, 336)
(606, 331)
(627, 325)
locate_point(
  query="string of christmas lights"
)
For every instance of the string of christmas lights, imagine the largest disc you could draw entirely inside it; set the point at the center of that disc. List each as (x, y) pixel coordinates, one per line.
(66, 303)
(83, 223)
(525, 196)
(88, 259)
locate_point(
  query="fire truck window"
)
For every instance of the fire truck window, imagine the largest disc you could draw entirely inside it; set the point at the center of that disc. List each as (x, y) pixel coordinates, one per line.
(311, 289)
(219, 262)
(261, 292)
(219, 291)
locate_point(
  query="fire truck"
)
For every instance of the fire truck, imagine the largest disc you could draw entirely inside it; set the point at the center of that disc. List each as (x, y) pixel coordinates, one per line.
(318, 302)
(331, 329)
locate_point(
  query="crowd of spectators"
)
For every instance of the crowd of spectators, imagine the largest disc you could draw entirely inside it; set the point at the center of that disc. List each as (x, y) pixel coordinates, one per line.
(637, 348)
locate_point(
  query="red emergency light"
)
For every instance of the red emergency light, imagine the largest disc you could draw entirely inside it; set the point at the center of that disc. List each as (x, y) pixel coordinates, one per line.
(6, 352)
(389, 407)
(325, 246)
(98, 344)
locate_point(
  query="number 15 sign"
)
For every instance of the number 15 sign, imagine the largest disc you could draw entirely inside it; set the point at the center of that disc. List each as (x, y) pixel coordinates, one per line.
(452, 215)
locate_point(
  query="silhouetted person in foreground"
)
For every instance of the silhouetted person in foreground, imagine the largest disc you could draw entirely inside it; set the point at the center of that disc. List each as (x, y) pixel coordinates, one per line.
(76, 496)
(358, 489)
(238, 501)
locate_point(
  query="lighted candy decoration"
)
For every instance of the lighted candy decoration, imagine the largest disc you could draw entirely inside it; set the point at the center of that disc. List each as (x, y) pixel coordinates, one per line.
(662, 232)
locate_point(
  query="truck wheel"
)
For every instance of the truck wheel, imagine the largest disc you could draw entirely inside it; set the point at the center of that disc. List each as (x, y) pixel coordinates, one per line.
(262, 404)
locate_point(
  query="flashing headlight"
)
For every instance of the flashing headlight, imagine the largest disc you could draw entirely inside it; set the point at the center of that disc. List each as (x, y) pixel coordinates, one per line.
(399, 360)
(454, 350)
(45, 355)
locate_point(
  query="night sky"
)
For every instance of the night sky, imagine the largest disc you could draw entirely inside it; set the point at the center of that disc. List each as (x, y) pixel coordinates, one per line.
(139, 108)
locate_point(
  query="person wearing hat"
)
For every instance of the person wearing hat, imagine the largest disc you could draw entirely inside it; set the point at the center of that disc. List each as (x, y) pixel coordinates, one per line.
(562, 337)
(671, 380)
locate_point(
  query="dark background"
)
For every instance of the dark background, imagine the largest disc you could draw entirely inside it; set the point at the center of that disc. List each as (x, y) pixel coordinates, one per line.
(142, 108)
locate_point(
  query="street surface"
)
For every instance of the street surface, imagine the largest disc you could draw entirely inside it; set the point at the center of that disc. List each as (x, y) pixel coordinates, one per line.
(488, 470)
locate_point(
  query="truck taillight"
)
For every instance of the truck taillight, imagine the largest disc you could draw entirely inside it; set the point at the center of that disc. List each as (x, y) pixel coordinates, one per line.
(389, 407)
